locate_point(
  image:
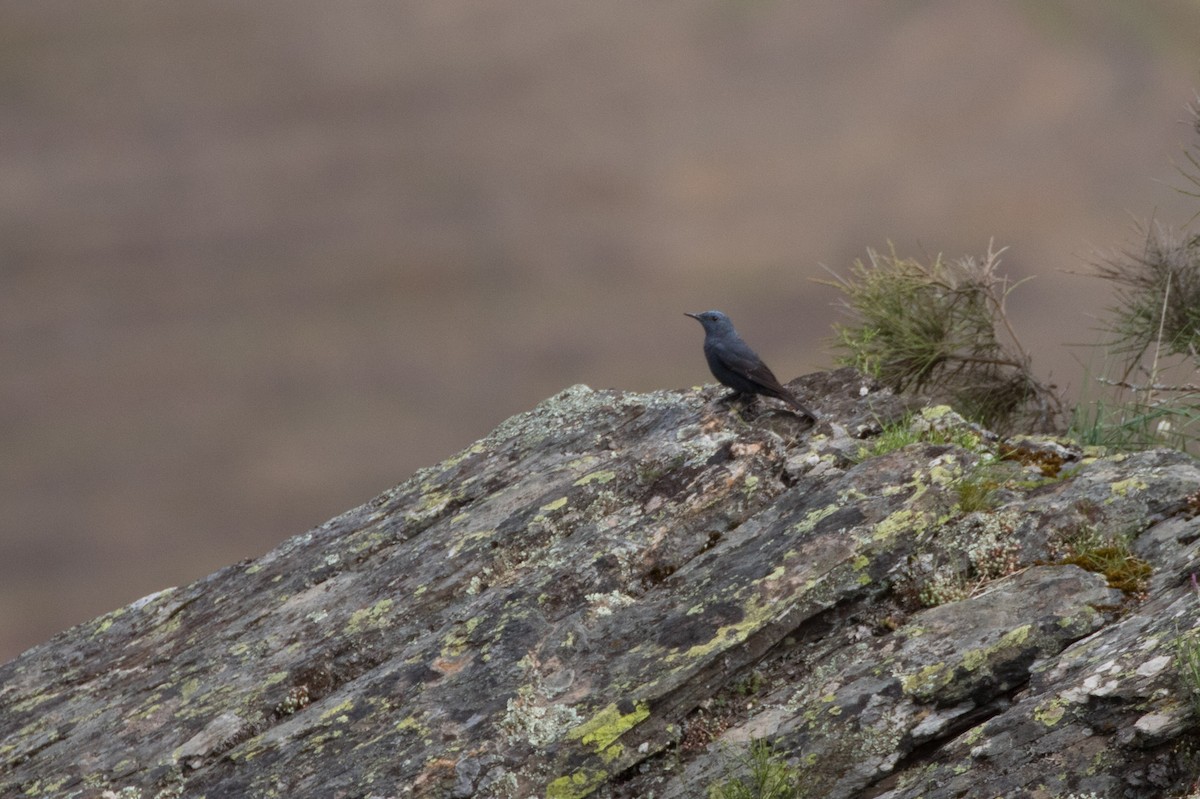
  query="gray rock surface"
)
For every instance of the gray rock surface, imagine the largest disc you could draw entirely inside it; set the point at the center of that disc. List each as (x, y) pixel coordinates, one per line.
(613, 594)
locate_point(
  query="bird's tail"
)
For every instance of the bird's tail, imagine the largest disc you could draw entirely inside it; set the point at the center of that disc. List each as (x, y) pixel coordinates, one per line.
(797, 405)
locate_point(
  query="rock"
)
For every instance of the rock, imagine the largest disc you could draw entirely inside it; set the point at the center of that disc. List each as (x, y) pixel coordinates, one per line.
(613, 594)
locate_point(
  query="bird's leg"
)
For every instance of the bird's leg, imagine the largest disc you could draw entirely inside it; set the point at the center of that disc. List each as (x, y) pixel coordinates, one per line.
(734, 411)
(737, 403)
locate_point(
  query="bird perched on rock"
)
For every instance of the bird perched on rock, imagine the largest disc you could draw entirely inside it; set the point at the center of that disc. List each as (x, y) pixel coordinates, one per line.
(736, 365)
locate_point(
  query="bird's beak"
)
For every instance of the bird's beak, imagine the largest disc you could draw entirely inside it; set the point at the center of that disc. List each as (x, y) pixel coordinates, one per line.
(695, 316)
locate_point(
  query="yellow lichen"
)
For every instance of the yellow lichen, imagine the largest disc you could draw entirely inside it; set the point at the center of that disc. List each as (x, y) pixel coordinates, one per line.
(434, 500)
(612, 753)
(555, 505)
(411, 723)
(1050, 712)
(338, 712)
(364, 618)
(456, 641)
(926, 680)
(594, 477)
(728, 635)
(811, 519)
(29, 703)
(454, 460)
(1014, 637)
(584, 463)
(757, 612)
(903, 520)
(189, 689)
(576, 785)
(943, 475)
(107, 620)
(860, 565)
(1122, 488)
(603, 729)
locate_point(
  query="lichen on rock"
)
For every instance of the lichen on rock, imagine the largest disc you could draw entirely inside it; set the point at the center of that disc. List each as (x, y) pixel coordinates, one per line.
(614, 593)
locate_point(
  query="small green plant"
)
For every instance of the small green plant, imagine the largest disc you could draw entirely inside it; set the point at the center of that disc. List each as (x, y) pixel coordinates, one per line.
(974, 550)
(922, 427)
(976, 489)
(941, 330)
(1187, 661)
(749, 684)
(1110, 556)
(1131, 425)
(763, 774)
(891, 438)
(943, 587)
(1187, 658)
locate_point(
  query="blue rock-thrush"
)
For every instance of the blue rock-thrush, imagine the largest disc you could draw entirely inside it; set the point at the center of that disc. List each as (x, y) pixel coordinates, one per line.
(736, 365)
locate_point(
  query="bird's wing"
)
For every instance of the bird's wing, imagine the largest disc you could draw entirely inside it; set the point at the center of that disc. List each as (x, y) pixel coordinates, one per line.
(738, 356)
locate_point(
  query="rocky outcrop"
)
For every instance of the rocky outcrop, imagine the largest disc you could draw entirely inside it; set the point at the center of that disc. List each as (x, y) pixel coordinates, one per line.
(614, 594)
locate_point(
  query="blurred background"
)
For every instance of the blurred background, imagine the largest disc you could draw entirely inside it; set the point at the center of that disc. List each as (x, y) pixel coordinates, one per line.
(260, 261)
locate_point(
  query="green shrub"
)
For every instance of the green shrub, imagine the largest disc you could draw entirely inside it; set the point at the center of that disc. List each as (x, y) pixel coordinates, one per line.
(940, 330)
(763, 774)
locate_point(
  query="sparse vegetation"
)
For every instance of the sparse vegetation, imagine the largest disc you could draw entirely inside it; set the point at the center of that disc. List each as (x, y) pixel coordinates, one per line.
(929, 427)
(1187, 658)
(1154, 334)
(762, 774)
(1130, 425)
(940, 330)
(1157, 311)
(1109, 555)
(944, 586)
(749, 684)
(978, 549)
(976, 489)
(1187, 661)
(1154, 329)
(893, 437)
(704, 726)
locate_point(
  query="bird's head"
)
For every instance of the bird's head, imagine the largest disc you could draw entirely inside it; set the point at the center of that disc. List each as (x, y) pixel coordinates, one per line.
(713, 321)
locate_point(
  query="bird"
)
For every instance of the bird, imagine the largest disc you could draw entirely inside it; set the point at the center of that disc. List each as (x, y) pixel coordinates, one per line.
(734, 364)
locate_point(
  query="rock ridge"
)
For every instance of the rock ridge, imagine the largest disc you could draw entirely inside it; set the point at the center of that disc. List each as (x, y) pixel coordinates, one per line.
(614, 594)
